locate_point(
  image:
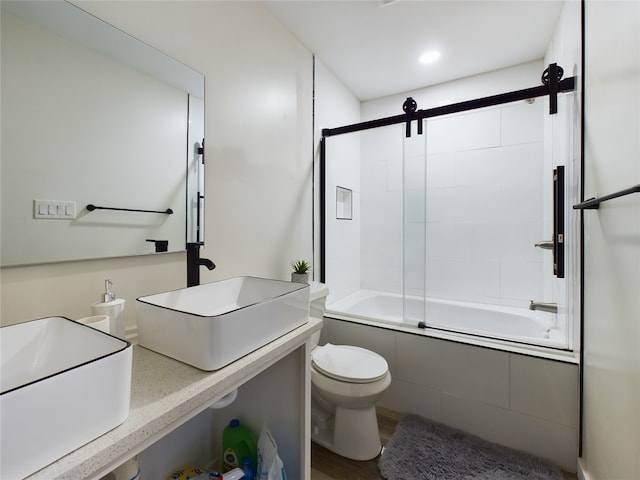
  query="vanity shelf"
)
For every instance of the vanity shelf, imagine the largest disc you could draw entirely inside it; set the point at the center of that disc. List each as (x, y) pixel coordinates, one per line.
(166, 393)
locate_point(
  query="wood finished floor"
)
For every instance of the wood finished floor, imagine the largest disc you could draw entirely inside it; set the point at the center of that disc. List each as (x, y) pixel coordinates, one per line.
(326, 465)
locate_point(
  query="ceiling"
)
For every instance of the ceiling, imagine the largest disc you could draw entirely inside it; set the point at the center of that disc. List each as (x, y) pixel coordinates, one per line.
(373, 46)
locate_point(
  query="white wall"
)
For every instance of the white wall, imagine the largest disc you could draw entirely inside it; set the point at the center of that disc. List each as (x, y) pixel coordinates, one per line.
(611, 436)
(259, 158)
(335, 106)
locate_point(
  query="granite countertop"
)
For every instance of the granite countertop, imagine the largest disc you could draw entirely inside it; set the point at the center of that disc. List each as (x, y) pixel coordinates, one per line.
(166, 393)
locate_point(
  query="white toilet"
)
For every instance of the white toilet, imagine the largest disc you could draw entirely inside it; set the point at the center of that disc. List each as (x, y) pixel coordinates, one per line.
(346, 383)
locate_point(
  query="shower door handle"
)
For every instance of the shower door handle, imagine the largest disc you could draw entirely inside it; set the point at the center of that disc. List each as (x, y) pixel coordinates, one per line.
(558, 221)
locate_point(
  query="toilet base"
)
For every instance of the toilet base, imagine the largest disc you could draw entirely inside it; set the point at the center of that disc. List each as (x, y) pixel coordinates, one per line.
(351, 433)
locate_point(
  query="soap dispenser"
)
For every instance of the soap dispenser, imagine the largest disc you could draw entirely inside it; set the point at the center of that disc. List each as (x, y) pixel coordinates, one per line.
(112, 306)
(108, 295)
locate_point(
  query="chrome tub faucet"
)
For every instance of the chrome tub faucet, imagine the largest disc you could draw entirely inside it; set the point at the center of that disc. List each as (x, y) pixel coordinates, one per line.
(543, 306)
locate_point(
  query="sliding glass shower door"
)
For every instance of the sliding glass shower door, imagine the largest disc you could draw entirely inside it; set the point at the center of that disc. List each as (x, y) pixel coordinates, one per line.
(382, 247)
(414, 226)
(442, 226)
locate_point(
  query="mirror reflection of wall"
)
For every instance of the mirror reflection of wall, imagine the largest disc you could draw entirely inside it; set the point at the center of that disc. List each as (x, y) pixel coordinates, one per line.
(195, 172)
(79, 128)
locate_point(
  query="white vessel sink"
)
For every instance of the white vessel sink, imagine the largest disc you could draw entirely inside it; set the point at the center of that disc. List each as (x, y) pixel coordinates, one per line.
(63, 384)
(209, 326)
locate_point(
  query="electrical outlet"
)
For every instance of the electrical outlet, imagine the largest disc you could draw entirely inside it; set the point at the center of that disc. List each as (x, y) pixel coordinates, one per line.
(54, 209)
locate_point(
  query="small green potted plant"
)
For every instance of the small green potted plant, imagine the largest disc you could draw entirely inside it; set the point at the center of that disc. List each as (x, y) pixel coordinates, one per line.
(300, 272)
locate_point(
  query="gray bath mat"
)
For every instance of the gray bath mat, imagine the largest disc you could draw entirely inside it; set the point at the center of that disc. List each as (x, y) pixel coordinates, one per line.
(423, 450)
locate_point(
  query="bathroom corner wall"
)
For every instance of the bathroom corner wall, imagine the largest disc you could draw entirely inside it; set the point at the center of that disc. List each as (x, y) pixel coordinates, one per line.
(258, 130)
(611, 392)
(336, 106)
(522, 402)
(68, 289)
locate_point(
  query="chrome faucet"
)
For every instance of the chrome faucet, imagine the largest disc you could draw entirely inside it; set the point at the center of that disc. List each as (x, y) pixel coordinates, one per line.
(545, 245)
(194, 262)
(542, 306)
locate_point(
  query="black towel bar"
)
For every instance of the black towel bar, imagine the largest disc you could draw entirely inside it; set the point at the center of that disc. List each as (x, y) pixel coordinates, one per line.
(594, 203)
(91, 207)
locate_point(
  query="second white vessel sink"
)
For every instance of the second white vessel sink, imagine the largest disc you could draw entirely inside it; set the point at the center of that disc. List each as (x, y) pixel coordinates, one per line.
(209, 326)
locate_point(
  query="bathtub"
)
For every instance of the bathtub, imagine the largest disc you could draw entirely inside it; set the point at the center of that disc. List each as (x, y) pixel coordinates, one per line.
(501, 323)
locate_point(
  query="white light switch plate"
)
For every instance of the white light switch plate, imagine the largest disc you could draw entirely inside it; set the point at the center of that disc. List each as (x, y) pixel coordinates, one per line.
(54, 209)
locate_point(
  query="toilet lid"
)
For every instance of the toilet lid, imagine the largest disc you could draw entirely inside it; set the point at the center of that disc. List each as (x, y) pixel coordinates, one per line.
(349, 364)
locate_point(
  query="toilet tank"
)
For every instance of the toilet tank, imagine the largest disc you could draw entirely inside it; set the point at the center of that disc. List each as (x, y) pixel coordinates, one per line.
(317, 298)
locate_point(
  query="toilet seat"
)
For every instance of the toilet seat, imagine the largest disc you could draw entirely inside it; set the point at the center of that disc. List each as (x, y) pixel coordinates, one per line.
(350, 364)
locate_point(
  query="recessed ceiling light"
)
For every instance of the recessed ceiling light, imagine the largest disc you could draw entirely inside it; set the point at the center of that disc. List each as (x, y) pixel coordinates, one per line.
(429, 57)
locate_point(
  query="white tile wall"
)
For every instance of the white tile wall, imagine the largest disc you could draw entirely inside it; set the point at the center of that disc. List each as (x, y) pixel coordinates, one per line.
(558, 382)
(343, 170)
(382, 210)
(520, 126)
(521, 280)
(415, 398)
(470, 131)
(454, 368)
(476, 222)
(487, 207)
(441, 170)
(522, 402)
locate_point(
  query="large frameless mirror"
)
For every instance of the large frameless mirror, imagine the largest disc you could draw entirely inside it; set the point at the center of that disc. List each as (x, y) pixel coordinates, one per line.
(101, 140)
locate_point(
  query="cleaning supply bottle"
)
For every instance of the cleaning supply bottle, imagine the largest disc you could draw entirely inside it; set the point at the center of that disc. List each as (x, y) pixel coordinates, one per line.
(247, 468)
(238, 443)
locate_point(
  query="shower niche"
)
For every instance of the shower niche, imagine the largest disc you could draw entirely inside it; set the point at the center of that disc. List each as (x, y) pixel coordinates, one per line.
(344, 203)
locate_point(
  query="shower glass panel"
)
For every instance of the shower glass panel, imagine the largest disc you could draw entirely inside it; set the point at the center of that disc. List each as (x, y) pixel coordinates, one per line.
(484, 213)
(381, 183)
(342, 255)
(414, 225)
